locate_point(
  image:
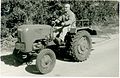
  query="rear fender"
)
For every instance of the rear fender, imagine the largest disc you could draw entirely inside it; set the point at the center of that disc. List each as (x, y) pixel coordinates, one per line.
(91, 31)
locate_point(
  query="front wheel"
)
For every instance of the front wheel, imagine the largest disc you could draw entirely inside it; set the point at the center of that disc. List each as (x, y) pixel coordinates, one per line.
(45, 61)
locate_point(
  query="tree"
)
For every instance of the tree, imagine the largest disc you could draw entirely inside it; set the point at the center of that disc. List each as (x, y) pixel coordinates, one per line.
(17, 12)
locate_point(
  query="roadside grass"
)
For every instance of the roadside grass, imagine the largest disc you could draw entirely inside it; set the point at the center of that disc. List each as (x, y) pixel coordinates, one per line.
(106, 30)
(8, 44)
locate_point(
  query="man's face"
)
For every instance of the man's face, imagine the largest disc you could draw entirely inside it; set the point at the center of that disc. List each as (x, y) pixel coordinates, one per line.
(67, 8)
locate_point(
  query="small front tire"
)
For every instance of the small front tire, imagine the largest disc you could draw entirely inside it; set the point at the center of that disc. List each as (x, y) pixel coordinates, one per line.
(45, 61)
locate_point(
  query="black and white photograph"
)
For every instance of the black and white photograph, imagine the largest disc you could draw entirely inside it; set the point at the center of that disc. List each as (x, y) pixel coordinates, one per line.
(59, 38)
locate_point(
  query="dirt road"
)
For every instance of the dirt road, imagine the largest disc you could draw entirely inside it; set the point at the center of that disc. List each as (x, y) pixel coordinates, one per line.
(103, 62)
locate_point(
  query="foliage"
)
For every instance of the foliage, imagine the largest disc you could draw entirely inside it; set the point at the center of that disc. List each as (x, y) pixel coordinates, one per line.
(17, 12)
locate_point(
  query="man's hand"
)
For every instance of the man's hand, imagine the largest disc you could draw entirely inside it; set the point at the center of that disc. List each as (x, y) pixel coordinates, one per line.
(53, 22)
(57, 21)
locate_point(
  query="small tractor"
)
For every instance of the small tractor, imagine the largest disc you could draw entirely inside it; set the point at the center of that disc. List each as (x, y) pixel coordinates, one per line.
(33, 41)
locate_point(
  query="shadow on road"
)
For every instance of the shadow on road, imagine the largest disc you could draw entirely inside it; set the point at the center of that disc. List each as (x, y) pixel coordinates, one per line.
(9, 60)
(61, 54)
(32, 69)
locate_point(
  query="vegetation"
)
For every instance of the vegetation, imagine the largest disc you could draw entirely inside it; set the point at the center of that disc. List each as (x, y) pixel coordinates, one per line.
(17, 12)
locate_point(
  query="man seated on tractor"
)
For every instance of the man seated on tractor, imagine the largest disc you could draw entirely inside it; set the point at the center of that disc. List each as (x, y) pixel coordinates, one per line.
(68, 21)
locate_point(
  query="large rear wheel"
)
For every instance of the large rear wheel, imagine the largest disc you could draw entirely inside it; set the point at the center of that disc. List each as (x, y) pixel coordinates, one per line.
(45, 61)
(79, 47)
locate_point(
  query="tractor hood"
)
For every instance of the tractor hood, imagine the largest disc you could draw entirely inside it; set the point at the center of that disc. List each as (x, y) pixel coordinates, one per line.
(30, 33)
(29, 27)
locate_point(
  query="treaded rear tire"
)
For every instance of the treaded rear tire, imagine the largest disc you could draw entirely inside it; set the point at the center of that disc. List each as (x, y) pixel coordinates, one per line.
(75, 47)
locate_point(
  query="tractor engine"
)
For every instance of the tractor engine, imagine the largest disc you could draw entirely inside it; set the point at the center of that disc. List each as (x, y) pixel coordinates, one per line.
(31, 37)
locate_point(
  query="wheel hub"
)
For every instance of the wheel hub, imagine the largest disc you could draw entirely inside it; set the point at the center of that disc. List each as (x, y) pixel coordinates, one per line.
(46, 61)
(82, 45)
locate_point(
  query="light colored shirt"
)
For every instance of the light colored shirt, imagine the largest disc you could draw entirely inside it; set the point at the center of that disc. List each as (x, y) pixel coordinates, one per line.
(68, 19)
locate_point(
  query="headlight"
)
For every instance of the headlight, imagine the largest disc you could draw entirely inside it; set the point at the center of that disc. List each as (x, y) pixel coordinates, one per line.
(20, 46)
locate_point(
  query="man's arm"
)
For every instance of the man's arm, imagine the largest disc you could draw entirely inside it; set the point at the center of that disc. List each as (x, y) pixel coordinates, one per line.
(59, 19)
